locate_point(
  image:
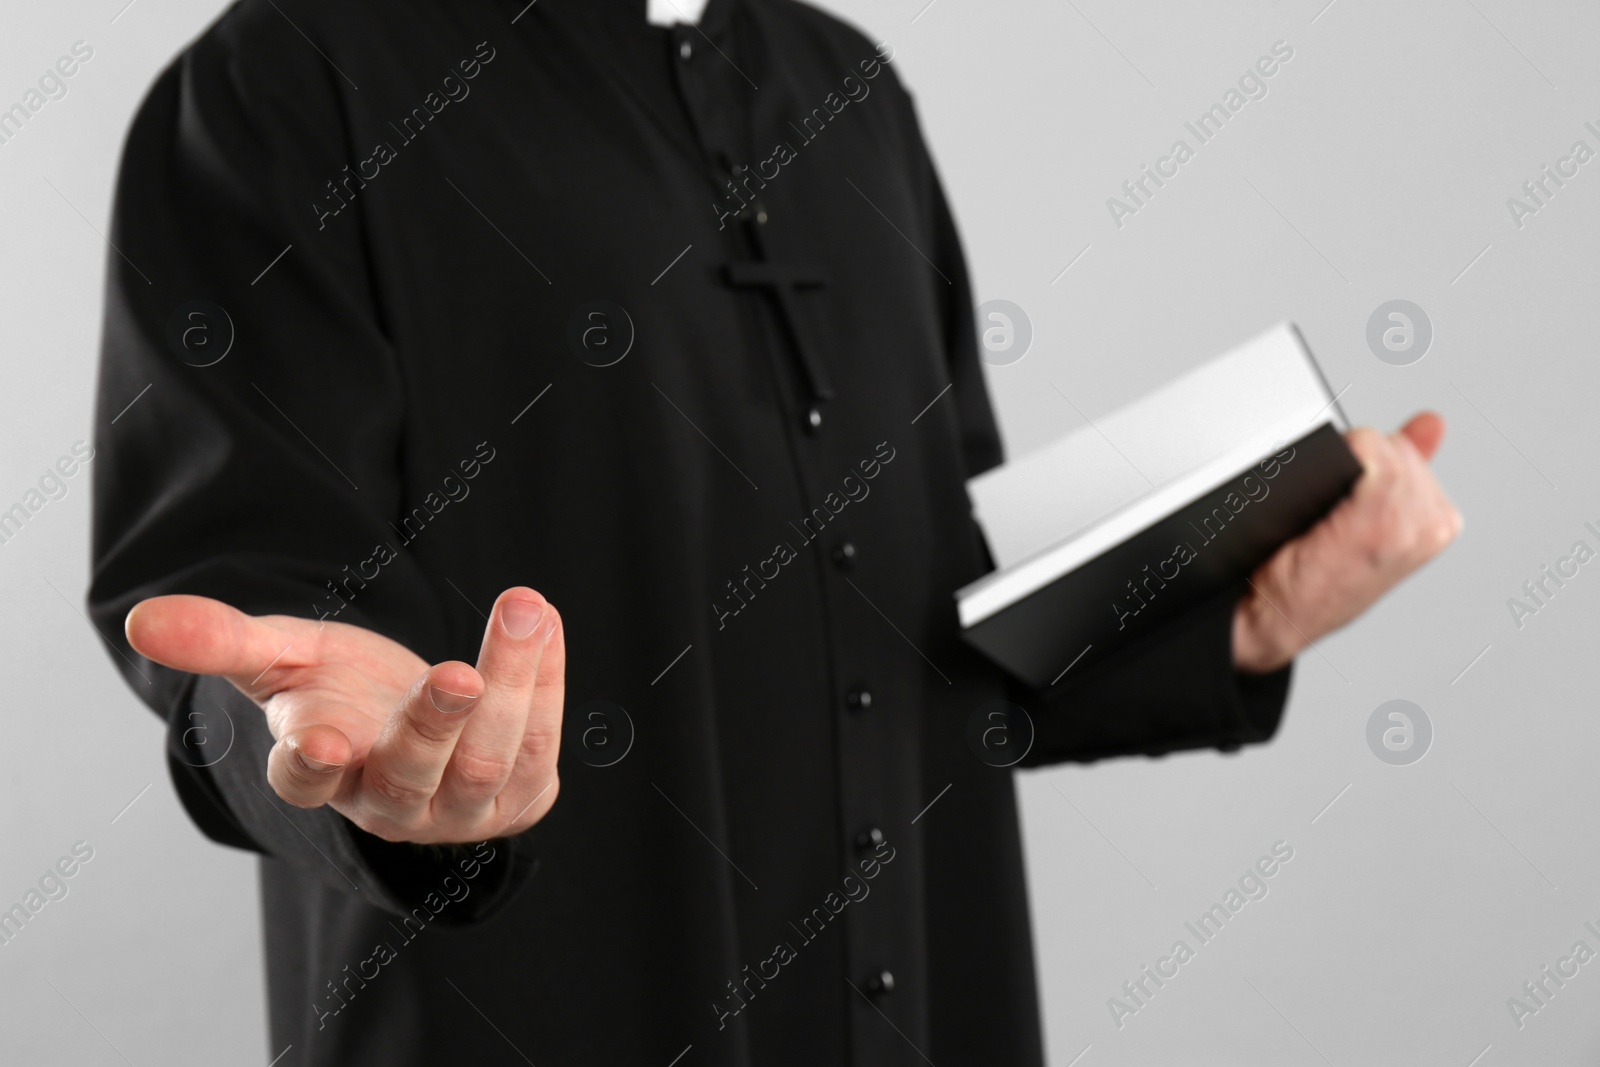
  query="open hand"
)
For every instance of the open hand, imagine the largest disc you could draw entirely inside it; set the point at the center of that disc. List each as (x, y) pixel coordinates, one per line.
(1395, 519)
(408, 752)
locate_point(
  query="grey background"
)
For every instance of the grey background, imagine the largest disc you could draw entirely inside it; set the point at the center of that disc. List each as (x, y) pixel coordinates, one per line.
(1377, 167)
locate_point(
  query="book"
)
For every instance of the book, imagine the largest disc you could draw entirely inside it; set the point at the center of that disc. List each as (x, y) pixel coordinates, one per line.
(1129, 522)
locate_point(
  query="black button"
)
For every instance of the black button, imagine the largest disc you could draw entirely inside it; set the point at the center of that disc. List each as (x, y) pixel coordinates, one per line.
(685, 51)
(844, 557)
(869, 838)
(814, 420)
(859, 699)
(881, 983)
(755, 210)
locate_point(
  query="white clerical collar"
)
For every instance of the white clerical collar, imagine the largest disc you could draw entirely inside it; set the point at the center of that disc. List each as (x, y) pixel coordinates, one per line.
(667, 12)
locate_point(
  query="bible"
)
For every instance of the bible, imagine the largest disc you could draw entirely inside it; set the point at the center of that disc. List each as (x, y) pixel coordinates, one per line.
(1127, 523)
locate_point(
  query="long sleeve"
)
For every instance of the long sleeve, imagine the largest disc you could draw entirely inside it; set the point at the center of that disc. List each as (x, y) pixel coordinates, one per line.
(249, 433)
(1176, 689)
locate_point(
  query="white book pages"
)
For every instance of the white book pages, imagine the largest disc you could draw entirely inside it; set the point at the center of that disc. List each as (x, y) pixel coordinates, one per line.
(1061, 506)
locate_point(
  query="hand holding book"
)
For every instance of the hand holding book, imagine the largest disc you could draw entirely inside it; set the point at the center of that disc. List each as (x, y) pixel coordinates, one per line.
(1238, 479)
(1395, 519)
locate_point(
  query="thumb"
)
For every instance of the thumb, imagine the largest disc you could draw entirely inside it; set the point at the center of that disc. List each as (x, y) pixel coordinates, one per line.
(204, 636)
(1425, 431)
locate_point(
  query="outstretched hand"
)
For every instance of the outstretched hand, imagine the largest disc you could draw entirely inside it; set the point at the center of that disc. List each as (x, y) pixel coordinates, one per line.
(408, 752)
(1395, 519)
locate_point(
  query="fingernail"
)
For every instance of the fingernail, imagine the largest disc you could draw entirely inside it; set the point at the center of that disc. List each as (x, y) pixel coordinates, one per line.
(519, 617)
(448, 702)
(315, 764)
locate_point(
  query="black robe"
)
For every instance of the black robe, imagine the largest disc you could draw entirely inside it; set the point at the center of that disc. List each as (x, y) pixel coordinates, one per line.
(417, 300)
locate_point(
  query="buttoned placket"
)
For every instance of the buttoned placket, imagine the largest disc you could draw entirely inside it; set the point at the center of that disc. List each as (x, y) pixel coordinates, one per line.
(866, 731)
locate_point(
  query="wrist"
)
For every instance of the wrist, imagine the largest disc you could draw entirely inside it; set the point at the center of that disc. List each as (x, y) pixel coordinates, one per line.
(1262, 640)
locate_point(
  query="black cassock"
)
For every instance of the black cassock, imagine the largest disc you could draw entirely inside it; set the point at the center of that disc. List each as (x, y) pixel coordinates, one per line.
(424, 299)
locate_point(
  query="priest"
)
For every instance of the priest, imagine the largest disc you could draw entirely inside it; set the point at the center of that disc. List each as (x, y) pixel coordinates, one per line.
(532, 444)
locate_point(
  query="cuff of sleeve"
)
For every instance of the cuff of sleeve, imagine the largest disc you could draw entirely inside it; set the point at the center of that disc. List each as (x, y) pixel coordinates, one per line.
(322, 844)
(1251, 705)
(1255, 704)
(493, 872)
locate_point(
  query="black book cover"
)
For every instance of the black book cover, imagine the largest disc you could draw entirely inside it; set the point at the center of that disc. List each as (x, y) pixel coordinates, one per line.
(1154, 577)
